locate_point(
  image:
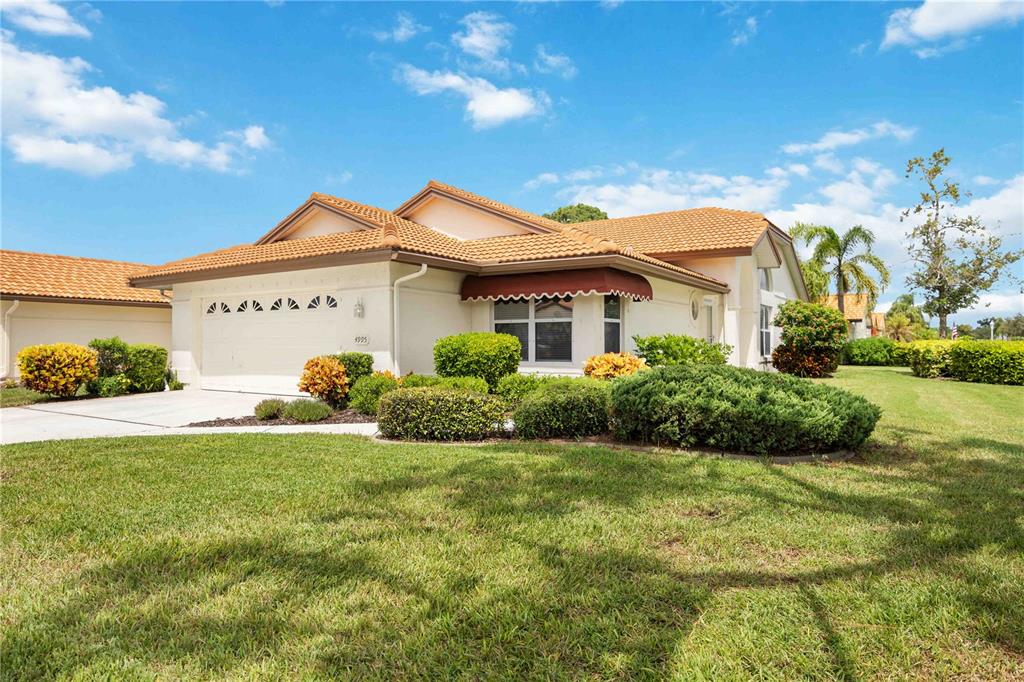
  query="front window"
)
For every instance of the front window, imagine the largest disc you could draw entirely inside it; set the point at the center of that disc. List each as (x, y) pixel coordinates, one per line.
(766, 330)
(766, 278)
(543, 327)
(612, 324)
(709, 312)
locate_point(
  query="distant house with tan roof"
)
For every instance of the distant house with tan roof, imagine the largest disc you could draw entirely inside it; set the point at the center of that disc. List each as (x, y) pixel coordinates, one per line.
(47, 298)
(337, 275)
(861, 321)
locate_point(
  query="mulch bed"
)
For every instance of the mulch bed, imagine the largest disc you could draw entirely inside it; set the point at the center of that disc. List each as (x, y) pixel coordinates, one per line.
(347, 416)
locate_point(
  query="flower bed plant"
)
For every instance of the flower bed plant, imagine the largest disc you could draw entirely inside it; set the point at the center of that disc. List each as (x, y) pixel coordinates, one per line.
(812, 339)
(57, 369)
(612, 365)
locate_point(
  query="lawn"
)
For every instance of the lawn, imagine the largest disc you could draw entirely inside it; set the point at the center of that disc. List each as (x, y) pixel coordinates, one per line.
(17, 396)
(315, 556)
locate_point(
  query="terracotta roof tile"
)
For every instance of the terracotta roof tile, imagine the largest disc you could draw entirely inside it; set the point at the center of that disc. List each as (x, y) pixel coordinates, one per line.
(695, 229)
(45, 275)
(854, 305)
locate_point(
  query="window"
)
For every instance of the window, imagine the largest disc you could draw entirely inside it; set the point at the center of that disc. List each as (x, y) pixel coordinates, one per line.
(543, 327)
(242, 307)
(314, 303)
(766, 278)
(612, 324)
(224, 308)
(766, 330)
(331, 301)
(709, 312)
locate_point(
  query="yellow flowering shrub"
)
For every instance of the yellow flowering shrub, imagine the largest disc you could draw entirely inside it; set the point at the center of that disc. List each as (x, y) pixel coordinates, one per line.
(388, 374)
(57, 369)
(324, 377)
(611, 365)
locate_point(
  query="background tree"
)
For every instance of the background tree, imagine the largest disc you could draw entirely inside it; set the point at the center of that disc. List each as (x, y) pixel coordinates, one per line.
(904, 305)
(815, 279)
(955, 258)
(576, 213)
(898, 327)
(844, 258)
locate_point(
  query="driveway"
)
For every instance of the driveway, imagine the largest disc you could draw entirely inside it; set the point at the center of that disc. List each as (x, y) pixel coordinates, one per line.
(143, 414)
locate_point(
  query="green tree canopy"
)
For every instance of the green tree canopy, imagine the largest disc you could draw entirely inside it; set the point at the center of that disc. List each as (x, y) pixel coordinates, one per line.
(576, 213)
(844, 258)
(815, 279)
(904, 305)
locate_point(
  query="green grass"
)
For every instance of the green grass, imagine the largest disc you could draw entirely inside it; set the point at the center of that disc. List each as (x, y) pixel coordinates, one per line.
(17, 396)
(246, 556)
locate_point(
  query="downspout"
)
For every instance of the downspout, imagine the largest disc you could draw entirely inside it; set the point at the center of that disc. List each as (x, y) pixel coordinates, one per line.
(7, 338)
(395, 340)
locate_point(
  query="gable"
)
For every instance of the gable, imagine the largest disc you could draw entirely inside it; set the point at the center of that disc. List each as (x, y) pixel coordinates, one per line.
(461, 220)
(316, 222)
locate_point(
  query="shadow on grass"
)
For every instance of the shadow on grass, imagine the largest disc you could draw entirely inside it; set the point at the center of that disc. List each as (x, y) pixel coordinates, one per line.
(231, 604)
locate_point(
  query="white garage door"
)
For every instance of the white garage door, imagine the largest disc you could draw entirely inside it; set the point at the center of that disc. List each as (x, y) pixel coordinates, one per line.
(259, 344)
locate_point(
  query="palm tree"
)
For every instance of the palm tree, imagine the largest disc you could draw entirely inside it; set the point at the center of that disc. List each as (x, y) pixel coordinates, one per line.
(839, 255)
(898, 327)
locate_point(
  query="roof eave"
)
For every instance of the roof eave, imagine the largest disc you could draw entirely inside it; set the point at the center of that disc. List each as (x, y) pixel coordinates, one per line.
(36, 298)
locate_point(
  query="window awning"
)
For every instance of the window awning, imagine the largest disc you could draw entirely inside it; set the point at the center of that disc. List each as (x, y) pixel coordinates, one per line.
(560, 283)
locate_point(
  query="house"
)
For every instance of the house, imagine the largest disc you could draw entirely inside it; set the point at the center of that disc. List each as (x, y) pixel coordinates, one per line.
(860, 321)
(336, 275)
(48, 299)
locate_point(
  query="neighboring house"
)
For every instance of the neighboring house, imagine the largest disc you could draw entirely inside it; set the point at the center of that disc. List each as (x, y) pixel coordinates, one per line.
(50, 299)
(860, 322)
(336, 275)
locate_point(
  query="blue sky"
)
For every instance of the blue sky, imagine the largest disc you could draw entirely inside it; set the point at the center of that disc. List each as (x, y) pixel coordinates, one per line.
(153, 131)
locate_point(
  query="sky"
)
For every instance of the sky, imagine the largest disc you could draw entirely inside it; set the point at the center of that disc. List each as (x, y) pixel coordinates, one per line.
(149, 132)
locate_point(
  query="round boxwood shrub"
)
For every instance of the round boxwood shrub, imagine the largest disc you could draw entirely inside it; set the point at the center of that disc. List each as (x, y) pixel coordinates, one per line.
(57, 369)
(477, 354)
(568, 408)
(739, 410)
(515, 387)
(877, 351)
(147, 365)
(812, 339)
(271, 408)
(678, 349)
(455, 383)
(439, 414)
(357, 365)
(305, 410)
(367, 391)
(324, 377)
(987, 362)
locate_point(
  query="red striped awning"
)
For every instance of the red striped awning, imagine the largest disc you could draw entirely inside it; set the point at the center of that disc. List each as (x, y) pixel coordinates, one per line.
(557, 284)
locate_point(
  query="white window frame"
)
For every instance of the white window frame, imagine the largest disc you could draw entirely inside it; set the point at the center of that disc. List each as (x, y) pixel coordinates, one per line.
(709, 312)
(618, 320)
(768, 279)
(531, 330)
(764, 330)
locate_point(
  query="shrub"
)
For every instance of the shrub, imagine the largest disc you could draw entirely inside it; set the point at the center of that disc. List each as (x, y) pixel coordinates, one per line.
(901, 354)
(111, 356)
(612, 365)
(929, 359)
(367, 391)
(738, 409)
(113, 386)
(453, 383)
(146, 366)
(567, 408)
(305, 410)
(676, 349)
(987, 362)
(438, 414)
(812, 339)
(477, 354)
(324, 377)
(173, 383)
(271, 408)
(514, 387)
(357, 365)
(57, 369)
(876, 351)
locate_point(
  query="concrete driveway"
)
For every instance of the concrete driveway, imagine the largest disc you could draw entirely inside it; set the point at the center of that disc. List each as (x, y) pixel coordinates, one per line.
(142, 414)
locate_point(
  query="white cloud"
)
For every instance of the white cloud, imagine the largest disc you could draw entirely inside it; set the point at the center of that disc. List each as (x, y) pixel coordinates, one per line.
(936, 20)
(829, 162)
(406, 27)
(486, 37)
(835, 139)
(336, 180)
(860, 48)
(43, 16)
(743, 35)
(1001, 304)
(799, 169)
(547, 62)
(1002, 212)
(541, 180)
(254, 137)
(487, 105)
(984, 180)
(610, 4)
(51, 117)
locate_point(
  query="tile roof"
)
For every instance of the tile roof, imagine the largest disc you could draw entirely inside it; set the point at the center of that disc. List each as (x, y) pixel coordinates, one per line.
(388, 230)
(878, 321)
(855, 306)
(695, 229)
(89, 279)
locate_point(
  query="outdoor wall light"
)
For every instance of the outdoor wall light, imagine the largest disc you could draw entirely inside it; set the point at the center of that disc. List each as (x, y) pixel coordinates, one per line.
(357, 309)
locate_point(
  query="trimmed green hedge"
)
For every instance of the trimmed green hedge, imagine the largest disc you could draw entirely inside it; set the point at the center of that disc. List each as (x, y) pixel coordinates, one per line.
(987, 362)
(739, 410)
(515, 387)
(566, 408)
(477, 354)
(366, 393)
(440, 414)
(876, 351)
(147, 365)
(453, 383)
(357, 365)
(929, 359)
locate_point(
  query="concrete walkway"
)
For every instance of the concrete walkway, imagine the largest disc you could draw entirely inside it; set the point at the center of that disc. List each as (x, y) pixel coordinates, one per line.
(148, 414)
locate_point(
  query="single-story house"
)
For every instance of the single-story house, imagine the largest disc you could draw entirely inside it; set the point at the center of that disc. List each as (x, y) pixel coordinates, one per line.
(336, 275)
(860, 321)
(49, 299)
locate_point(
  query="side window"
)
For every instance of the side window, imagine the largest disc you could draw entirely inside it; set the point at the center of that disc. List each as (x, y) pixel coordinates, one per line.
(612, 324)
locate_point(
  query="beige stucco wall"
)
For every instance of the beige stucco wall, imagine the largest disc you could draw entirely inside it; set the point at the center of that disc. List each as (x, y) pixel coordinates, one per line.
(320, 222)
(34, 322)
(462, 222)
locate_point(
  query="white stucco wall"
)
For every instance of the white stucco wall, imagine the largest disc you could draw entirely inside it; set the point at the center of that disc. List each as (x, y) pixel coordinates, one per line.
(430, 307)
(462, 222)
(34, 322)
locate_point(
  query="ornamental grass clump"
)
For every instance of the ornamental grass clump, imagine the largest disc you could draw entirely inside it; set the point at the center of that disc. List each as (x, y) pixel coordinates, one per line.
(304, 410)
(57, 369)
(271, 408)
(738, 410)
(324, 377)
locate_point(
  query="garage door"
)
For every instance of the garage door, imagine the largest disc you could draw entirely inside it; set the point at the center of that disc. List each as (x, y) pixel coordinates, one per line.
(260, 344)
